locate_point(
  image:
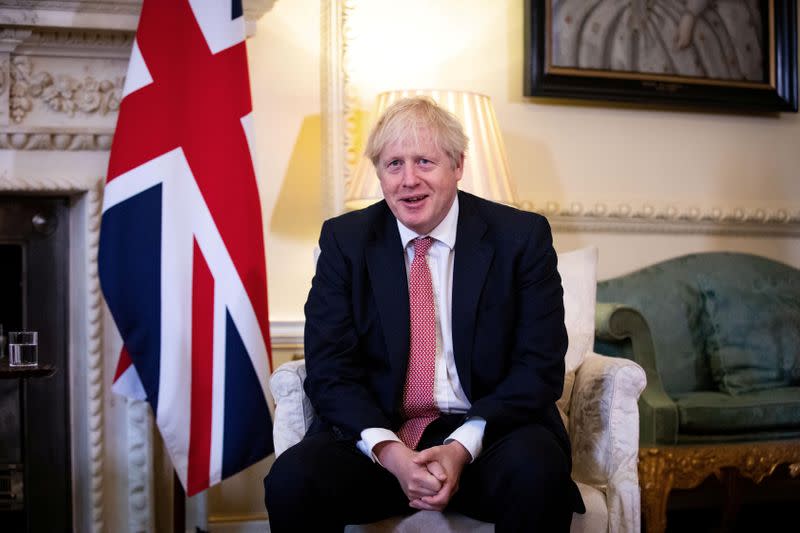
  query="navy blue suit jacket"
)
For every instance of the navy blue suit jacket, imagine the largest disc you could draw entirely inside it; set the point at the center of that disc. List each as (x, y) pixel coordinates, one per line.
(508, 329)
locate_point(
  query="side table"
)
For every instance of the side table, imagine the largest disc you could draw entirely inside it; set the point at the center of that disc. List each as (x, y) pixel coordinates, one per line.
(663, 468)
(23, 374)
(13, 372)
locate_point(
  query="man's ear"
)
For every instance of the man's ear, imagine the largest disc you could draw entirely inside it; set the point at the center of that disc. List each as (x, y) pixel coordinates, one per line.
(460, 167)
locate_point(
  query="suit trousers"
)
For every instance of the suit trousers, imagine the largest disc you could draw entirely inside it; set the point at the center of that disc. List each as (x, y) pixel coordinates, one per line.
(521, 483)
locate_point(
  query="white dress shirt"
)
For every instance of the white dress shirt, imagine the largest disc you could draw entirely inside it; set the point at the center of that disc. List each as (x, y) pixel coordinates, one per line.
(447, 391)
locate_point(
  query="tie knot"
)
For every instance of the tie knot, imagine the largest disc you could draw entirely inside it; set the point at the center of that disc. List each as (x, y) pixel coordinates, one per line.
(421, 246)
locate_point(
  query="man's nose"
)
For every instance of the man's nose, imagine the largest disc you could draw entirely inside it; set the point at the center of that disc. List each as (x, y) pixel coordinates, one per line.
(410, 178)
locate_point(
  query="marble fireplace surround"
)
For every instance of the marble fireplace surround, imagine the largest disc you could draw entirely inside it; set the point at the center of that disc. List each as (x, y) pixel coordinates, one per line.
(62, 68)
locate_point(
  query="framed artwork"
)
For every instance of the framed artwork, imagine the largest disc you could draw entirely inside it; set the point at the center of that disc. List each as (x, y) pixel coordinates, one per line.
(712, 54)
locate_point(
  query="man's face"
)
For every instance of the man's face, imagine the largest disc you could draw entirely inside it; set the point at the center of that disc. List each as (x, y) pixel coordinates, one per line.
(418, 181)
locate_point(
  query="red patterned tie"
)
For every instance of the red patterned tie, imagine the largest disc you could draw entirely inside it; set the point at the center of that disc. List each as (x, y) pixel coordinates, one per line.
(419, 407)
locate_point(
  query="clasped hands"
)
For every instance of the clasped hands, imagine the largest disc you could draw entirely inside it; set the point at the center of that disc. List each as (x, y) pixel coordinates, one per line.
(429, 478)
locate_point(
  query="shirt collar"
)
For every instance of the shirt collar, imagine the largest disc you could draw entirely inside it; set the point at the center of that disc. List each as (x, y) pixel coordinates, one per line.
(445, 232)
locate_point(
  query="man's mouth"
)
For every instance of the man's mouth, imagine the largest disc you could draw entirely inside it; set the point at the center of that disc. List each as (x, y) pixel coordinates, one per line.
(411, 200)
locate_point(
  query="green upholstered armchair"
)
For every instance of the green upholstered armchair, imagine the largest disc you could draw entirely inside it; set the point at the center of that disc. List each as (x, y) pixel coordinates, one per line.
(718, 335)
(623, 331)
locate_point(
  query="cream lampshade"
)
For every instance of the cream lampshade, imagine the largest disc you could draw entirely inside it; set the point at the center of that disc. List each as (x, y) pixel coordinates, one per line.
(485, 166)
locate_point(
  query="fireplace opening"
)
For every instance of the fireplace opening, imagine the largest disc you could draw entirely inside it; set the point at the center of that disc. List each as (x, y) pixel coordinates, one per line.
(11, 479)
(35, 464)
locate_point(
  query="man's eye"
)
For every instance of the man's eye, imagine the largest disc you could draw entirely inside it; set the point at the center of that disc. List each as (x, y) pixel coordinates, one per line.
(393, 163)
(424, 161)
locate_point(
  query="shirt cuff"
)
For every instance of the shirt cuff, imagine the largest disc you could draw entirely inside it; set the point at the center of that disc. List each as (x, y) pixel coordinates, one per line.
(371, 437)
(469, 435)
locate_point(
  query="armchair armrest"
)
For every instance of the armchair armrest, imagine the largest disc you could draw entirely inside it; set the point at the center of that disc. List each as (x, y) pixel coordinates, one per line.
(616, 322)
(604, 423)
(293, 411)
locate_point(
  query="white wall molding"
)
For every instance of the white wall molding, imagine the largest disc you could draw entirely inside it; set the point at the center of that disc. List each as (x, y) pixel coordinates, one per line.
(63, 140)
(333, 105)
(61, 42)
(90, 14)
(286, 333)
(647, 218)
(141, 515)
(102, 14)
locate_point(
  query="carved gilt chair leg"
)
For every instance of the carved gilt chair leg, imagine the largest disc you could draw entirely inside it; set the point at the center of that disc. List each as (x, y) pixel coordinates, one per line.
(656, 475)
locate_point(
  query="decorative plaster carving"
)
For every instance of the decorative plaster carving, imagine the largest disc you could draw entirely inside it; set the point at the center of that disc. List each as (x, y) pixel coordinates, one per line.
(4, 74)
(62, 93)
(252, 8)
(76, 43)
(648, 218)
(103, 14)
(332, 86)
(55, 141)
(140, 467)
(39, 184)
(95, 357)
(86, 6)
(351, 99)
(5, 79)
(10, 38)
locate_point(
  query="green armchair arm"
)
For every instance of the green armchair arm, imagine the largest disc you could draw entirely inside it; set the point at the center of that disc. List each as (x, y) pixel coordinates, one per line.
(658, 415)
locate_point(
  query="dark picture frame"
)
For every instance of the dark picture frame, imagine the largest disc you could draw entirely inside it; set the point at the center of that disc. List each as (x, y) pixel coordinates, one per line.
(598, 66)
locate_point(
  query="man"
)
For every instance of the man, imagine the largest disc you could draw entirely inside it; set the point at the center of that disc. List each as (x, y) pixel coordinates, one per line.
(435, 347)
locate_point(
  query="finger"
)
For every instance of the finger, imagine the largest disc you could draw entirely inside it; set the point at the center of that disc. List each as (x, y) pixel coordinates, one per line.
(423, 457)
(437, 470)
(421, 505)
(442, 498)
(429, 484)
(439, 500)
(420, 491)
(423, 478)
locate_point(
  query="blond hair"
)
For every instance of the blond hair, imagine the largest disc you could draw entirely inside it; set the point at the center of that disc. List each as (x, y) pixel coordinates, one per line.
(406, 118)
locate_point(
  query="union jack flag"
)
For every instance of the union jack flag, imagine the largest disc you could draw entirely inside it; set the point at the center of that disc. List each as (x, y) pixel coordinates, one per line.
(181, 258)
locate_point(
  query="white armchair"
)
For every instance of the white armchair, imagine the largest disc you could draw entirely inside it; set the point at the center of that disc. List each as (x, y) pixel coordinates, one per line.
(599, 406)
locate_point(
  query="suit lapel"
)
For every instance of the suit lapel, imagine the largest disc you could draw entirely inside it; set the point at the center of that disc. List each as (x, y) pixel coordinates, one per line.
(387, 273)
(473, 256)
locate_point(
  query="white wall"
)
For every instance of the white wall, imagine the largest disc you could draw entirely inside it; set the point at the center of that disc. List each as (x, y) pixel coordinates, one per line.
(284, 72)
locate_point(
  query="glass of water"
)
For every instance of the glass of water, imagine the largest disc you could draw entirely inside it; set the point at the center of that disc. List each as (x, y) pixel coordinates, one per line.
(23, 348)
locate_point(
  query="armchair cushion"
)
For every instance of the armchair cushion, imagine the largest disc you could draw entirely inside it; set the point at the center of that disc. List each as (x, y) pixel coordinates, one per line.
(753, 335)
(293, 410)
(578, 271)
(605, 434)
(717, 412)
